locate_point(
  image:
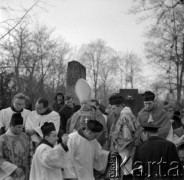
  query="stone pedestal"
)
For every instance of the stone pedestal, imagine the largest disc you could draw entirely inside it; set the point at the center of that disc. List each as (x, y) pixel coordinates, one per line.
(75, 71)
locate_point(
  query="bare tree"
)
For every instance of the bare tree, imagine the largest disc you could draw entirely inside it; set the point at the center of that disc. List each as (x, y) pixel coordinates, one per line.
(37, 58)
(167, 51)
(14, 49)
(157, 10)
(93, 56)
(165, 47)
(130, 69)
(10, 22)
(108, 74)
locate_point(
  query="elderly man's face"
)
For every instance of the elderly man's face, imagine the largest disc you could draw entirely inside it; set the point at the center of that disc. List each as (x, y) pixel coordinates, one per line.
(86, 104)
(148, 105)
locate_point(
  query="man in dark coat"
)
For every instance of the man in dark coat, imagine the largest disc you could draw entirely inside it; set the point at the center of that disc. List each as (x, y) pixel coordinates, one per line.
(156, 158)
(59, 101)
(66, 112)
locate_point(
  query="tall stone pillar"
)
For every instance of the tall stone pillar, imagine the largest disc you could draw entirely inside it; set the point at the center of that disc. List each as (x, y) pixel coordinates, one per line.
(75, 71)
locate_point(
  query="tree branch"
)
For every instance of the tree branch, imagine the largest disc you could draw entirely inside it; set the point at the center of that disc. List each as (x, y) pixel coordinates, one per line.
(20, 19)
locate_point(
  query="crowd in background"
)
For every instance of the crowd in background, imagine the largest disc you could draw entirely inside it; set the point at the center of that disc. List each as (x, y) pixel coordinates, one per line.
(24, 128)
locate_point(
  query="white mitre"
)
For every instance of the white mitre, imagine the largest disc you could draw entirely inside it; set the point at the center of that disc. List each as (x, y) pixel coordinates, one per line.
(83, 91)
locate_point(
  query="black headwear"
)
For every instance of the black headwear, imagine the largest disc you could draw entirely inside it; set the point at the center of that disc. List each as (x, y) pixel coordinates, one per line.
(148, 96)
(116, 99)
(16, 119)
(150, 126)
(59, 93)
(94, 126)
(47, 128)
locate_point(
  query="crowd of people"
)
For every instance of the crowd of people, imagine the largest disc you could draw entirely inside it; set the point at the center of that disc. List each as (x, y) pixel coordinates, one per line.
(76, 142)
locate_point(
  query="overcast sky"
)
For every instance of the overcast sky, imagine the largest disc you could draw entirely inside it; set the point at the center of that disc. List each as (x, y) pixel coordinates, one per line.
(82, 21)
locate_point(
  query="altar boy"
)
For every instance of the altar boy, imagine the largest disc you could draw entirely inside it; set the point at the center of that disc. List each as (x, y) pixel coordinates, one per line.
(87, 153)
(48, 159)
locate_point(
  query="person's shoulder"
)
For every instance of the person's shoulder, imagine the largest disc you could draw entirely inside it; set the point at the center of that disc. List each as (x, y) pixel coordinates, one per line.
(73, 134)
(42, 147)
(26, 111)
(6, 109)
(167, 142)
(141, 145)
(54, 113)
(25, 136)
(163, 141)
(159, 107)
(111, 116)
(2, 137)
(63, 109)
(141, 111)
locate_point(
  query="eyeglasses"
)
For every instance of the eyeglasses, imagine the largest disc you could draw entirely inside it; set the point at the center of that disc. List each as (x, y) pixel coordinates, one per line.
(19, 104)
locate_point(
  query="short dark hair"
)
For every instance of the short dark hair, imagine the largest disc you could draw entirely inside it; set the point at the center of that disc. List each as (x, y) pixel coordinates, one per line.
(94, 125)
(96, 101)
(151, 130)
(43, 101)
(67, 97)
(47, 128)
(16, 119)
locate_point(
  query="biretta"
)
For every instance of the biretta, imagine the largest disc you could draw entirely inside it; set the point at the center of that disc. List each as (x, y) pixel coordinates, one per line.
(47, 128)
(16, 119)
(150, 126)
(94, 125)
(116, 99)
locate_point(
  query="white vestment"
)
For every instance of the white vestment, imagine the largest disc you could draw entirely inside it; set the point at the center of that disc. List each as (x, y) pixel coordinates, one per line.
(38, 120)
(87, 155)
(47, 163)
(6, 114)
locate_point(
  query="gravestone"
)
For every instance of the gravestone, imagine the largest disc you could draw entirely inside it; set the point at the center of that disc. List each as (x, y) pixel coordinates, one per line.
(133, 99)
(75, 71)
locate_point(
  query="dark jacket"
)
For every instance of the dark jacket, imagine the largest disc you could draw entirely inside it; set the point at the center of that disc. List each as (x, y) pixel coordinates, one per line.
(57, 106)
(154, 154)
(65, 113)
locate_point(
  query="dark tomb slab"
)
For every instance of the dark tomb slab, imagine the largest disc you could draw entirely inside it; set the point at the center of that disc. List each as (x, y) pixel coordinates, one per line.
(132, 99)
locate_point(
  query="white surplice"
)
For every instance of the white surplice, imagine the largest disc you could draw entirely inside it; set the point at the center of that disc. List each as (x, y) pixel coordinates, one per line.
(87, 155)
(47, 163)
(6, 114)
(38, 120)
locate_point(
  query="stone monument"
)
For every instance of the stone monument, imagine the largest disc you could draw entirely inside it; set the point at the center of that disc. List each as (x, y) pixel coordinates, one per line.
(75, 71)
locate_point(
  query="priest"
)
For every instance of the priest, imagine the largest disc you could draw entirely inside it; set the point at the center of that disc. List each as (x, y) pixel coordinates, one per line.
(49, 158)
(40, 115)
(153, 113)
(18, 106)
(15, 151)
(87, 111)
(87, 153)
